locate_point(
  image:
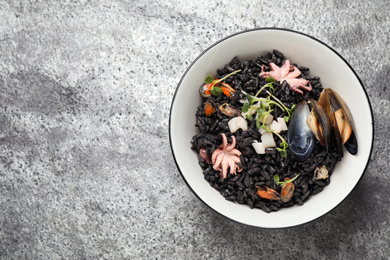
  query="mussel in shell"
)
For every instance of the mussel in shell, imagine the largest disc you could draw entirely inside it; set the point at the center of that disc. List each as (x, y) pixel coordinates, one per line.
(329, 120)
(318, 122)
(342, 126)
(229, 110)
(300, 137)
(209, 108)
(204, 90)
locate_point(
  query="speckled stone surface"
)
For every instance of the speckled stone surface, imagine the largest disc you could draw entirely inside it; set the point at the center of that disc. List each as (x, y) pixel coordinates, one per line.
(86, 170)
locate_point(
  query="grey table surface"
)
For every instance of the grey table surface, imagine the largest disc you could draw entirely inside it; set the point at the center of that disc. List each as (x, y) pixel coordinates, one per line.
(86, 170)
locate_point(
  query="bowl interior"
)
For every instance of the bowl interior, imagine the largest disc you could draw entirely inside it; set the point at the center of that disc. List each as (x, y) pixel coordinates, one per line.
(306, 51)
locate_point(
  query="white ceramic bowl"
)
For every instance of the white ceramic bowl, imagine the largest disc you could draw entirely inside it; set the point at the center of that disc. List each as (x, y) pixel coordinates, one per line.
(299, 48)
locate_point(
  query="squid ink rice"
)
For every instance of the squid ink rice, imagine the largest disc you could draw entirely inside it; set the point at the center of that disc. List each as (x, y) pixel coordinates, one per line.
(256, 172)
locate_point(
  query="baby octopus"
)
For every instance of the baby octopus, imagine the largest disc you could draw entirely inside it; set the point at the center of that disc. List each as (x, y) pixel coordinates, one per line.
(226, 156)
(287, 73)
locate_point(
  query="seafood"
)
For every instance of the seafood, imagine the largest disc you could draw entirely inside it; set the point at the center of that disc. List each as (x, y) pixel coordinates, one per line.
(229, 110)
(285, 194)
(318, 122)
(227, 89)
(287, 190)
(266, 192)
(205, 156)
(342, 126)
(321, 172)
(226, 156)
(206, 89)
(300, 138)
(329, 120)
(209, 107)
(287, 73)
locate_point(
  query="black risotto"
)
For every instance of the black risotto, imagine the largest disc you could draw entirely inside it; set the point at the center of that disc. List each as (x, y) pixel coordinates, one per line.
(259, 169)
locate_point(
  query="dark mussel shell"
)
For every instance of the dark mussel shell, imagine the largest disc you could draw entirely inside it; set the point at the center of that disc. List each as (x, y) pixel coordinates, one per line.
(203, 89)
(300, 138)
(332, 102)
(319, 123)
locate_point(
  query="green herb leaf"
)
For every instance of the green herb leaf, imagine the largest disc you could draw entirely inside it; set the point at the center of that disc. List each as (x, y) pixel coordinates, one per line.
(216, 91)
(292, 109)
(245, 108)
(251, 100)
(287, 118)
(270, 79)
(283, 153)
(284, 145)
(266, 127)
(258, 124)
(278, 182)
(249, 116)
(276, 179)
(293, 179)
(208, 80)
(262, 106)
(271, 87)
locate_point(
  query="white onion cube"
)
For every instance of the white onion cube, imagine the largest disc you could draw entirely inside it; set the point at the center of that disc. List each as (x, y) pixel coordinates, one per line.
(259, 148)
(282, 122)
(268, 140)
(237, 123)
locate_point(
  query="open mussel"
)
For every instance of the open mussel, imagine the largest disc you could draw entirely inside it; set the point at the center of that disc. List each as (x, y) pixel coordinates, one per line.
(318, 122)
(308, 122)
(209, 107)
(204, 90)
(329, 120)
(342, 126)
(300, 137)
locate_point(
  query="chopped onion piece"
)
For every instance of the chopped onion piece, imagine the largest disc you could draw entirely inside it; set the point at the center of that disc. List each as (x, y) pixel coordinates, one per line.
(283, 123)
(259, 148)
(268, 119)
(237, 123)
(262, 130)
(232, 125)
(242, 123)
(268, 140)
(276, 126)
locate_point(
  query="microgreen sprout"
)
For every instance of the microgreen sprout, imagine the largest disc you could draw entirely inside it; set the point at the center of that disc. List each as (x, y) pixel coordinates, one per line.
(289, 111)
(215, 89)
(250, 106)
(208, 80)
(278, 182)
(269, 85)
(263, 107)
(283, 144)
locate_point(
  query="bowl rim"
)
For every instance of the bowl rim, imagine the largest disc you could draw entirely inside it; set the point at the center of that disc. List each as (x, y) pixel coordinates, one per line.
(270, 29)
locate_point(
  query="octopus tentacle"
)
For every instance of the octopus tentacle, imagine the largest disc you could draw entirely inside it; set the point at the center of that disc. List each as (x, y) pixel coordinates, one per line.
(218, 161)
(293, 74)
(224, 142)
(225, 165)
(225, 157)
(232, 165)
(289, 73)
(232, 145)
(285, 69)
(215, 155)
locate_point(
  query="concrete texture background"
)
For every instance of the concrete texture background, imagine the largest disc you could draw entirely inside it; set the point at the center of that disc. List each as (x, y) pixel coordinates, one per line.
(86, 170)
